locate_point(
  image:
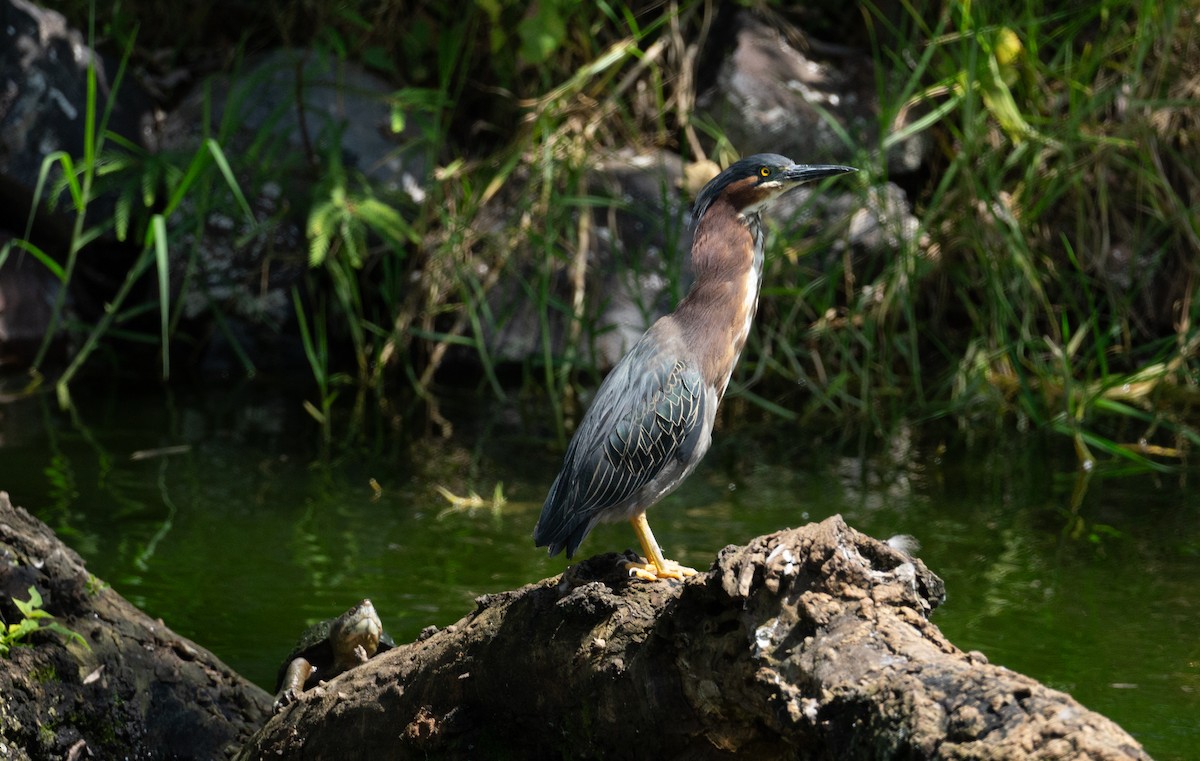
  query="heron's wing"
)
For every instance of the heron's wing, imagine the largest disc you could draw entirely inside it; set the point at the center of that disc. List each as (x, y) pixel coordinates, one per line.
(651, 429)
(647, 416)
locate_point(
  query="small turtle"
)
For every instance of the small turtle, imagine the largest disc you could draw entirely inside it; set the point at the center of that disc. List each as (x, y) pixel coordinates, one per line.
(328, 648)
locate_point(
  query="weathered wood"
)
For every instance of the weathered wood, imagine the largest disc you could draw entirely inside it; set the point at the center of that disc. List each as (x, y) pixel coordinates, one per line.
(813, 643)
(140, 692)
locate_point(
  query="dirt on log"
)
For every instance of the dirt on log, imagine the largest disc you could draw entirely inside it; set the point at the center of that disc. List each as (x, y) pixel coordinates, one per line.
(136, 691)
(813, 643)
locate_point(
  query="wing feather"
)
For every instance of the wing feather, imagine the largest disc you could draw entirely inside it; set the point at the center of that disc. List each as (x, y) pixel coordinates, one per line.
(645, 418)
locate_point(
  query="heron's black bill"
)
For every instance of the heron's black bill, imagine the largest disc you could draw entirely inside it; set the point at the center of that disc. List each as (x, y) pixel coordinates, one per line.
(808, 173)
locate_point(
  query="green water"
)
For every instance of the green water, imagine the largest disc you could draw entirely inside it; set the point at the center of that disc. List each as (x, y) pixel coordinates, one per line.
(244, 537)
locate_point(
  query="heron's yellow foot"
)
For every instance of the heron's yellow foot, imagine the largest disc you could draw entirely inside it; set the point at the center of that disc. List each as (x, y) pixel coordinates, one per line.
(657, 567)
(647, 571)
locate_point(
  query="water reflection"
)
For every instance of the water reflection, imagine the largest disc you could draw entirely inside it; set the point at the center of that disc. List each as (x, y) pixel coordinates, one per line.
(238, 533)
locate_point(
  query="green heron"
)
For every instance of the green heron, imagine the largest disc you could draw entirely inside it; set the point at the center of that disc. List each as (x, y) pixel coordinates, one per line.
(652, 419)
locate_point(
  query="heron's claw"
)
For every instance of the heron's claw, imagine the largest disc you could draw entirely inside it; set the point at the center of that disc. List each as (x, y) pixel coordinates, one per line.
(647, 571)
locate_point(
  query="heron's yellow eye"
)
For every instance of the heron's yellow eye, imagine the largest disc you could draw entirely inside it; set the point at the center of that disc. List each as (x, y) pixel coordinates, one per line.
(765, 171)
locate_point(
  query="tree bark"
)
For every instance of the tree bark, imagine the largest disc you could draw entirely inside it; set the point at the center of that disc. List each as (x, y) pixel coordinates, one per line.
(812, 643)
(136, 691)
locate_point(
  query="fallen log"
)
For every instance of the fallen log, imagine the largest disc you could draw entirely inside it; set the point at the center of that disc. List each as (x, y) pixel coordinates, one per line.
(136, 689)
(813, 643)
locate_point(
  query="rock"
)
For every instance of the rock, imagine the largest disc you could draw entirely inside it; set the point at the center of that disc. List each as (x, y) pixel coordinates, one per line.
(137, 690)
(637, 245)
(879, 221)
(770, 96)
(810, 643)
(246, 267)
(346, 110)
(43, 100)
(640, 246)
(43, 110)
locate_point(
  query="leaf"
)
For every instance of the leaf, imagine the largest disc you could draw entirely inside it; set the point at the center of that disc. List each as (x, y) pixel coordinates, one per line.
(158, 227)
(66, 633)
(29, 608)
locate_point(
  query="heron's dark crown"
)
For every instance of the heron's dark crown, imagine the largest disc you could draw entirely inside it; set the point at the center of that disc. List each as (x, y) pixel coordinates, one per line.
(757, 178)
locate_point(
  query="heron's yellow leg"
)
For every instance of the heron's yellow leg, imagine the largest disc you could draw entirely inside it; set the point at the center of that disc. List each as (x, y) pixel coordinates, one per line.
(656, 566)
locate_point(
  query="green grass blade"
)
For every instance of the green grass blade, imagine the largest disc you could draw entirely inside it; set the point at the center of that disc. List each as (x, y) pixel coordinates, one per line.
(214, 148)
(158, 238)
(41, 256)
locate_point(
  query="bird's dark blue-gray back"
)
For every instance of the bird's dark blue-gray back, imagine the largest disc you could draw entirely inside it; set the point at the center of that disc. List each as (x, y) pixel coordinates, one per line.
(647, 425)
